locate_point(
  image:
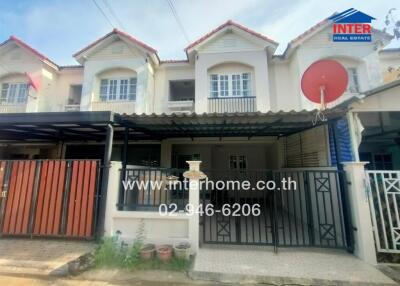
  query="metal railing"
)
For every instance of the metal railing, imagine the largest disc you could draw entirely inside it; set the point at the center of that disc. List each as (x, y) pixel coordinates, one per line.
(232, 104)
(384, 202)
(145, 189)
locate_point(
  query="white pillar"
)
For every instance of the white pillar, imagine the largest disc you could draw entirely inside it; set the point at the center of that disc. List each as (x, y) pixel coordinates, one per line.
(364, 246)
(194, 175)
(112, 196)
(352, 132)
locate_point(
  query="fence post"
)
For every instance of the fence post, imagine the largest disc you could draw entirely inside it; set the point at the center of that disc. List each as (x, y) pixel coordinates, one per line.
(194, 175)
(113, 185)
(364, 246)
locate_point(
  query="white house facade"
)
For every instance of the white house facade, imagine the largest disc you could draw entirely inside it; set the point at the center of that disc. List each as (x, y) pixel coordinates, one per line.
(232, 104)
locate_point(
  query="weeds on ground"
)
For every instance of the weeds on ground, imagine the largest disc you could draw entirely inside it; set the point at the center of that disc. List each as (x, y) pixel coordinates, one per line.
(114, 253)
(109, 253)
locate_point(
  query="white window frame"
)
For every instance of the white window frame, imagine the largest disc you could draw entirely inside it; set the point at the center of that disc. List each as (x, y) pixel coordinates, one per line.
(16, 93)
(125, 89)
(235, 85)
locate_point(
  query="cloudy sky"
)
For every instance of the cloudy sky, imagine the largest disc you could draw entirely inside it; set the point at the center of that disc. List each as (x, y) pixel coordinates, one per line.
(58, 28)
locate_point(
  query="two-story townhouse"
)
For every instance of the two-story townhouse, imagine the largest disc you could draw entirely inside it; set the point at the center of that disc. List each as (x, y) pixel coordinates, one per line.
(232, 104)
(231, 69)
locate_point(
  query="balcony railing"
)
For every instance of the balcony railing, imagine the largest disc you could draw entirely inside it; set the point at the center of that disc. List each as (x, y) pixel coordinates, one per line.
(181, 106)
(12, 108)
(232, 104)
(121, 107)
(73, 107)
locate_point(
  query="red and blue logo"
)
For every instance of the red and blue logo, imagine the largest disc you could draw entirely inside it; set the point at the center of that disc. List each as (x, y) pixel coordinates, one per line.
(351, 26)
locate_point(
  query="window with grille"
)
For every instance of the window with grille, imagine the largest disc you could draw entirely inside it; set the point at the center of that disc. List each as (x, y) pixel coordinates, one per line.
(230, 85)
(118, 89)
(14, 93)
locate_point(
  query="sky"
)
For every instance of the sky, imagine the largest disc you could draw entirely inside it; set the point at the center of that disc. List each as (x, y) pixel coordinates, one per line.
(59, 28)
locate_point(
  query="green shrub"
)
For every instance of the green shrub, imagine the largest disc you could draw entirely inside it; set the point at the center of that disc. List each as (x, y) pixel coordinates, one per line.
(109, 253)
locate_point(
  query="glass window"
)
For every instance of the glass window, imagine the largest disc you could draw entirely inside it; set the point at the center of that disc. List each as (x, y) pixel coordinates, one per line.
(132, 88)
(223, 85)
(118, 89)
(246, 84)
(237, 162)
(4, 92)
(353, 86)
(236, 85)
(230, 85)
(123, 89)
(11, 93)
(22, 93)
(14, 93)
(103, 89)
(214, 85)
(112, 90)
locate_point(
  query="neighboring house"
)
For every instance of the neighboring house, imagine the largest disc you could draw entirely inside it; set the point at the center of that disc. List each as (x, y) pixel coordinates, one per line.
(390, 64)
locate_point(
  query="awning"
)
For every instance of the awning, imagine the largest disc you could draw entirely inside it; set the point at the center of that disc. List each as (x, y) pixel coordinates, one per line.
(54, 126)
(91, 125)
(223, 124)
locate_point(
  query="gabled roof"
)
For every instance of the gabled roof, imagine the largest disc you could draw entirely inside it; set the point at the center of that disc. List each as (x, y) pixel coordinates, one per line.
(119, 33)
(227, 24)
(25, 46)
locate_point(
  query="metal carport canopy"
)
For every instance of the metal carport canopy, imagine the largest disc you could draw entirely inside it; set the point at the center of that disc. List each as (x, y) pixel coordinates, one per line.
(54, 126)
(223, 124)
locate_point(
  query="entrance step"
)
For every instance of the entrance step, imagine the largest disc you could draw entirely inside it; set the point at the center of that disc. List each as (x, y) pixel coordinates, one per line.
(40, 257)
(304, 266)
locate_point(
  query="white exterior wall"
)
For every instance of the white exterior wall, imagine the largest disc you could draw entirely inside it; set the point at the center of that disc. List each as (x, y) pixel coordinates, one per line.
(362, 56)
(157, 229)
(15, 63)
(257, 60)
(164, 74)
(275, 80)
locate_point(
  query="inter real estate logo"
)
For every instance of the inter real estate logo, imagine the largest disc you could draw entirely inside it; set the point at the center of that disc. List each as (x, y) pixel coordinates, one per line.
(351, 26)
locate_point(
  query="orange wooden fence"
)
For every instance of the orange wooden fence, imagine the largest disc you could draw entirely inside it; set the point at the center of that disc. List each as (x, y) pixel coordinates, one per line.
(49, 197)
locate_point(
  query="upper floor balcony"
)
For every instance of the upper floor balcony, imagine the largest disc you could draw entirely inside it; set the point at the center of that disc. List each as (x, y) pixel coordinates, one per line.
(231, 104)
(181, 96)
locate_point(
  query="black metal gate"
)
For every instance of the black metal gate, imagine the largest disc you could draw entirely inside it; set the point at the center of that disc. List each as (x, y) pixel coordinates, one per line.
(306, 208)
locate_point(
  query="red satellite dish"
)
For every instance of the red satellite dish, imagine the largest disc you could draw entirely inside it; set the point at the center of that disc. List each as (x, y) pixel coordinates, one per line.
(324, 81)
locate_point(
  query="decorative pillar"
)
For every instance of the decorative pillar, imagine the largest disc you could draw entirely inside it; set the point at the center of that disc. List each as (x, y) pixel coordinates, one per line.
(364, 245)
(194, 175)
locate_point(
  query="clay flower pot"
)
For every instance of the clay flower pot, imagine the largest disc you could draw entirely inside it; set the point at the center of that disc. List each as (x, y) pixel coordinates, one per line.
(147, 251)
(164, 253)
(182, 250)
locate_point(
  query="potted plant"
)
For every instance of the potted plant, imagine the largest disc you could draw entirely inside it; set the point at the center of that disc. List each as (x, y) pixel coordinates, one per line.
(147, 251)
(182, 250)
(164, 253)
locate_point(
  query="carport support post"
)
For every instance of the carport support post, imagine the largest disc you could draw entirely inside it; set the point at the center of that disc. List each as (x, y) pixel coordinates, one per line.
(364, 246)
(104, 181)
(194, 198)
